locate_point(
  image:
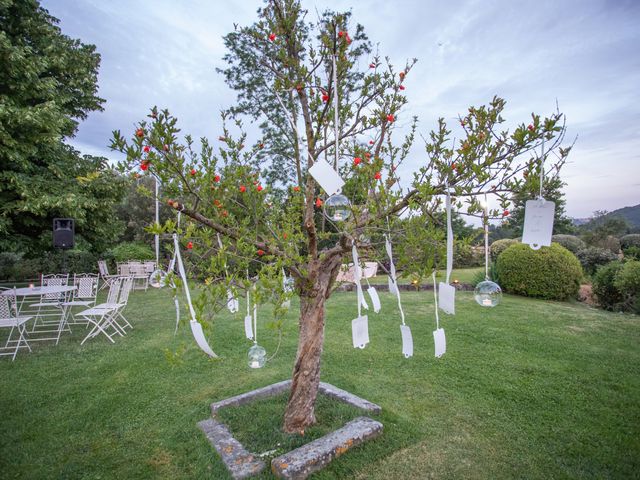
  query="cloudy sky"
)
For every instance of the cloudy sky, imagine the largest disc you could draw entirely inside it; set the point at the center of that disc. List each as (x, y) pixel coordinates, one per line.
(582, 54)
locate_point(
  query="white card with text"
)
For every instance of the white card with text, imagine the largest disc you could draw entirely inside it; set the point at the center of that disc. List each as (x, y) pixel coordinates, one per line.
(538, 223)
(360, 331)
(440, 342)
(326, 176)
(407, 341)
(447, 298)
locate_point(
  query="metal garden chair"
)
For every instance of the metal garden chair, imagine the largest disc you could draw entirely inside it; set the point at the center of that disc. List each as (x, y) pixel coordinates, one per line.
(9, 318)
(85, 293)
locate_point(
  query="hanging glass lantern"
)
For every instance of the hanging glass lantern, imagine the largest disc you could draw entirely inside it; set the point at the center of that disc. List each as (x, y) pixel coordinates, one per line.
(336, 208)
(488, 293)
(158, 279)
(257, 356)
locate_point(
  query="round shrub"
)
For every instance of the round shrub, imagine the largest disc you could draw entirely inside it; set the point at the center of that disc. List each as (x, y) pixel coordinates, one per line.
(131, 251)
(630, 245)
(593, 257)
(631, 240)
(552, 273)
(570, 242)
(603, 282)
(627, 281)
(500, 246)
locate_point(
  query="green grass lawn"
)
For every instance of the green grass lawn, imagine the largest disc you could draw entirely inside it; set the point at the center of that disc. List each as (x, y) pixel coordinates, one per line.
(463, 275)
(530, 389)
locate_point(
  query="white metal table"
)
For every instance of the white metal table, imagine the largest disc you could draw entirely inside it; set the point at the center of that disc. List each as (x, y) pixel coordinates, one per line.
(26, 292)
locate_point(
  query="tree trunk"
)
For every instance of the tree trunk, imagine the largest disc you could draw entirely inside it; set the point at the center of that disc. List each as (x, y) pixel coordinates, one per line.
(300, 412)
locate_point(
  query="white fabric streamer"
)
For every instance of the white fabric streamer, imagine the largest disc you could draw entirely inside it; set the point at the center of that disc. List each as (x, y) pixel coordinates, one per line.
(393, 282)
(357, 275)
(449, 237)
(196, 328)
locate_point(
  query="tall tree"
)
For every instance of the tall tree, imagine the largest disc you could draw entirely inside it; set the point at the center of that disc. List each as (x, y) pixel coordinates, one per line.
(285, 73)
(48, 83)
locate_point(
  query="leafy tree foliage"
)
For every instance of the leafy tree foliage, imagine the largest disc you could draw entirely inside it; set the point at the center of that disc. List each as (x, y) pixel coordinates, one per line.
(48, 83)
(268, 212)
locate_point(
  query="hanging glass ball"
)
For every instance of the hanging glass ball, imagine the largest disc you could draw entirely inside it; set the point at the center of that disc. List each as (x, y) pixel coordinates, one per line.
(257, 356)
(488, 293)
(158, 279)
(336, 208)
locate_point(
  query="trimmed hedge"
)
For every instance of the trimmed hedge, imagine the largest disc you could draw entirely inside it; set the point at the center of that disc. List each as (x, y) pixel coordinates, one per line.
(570, 242)
(552, 273)
(500, 246)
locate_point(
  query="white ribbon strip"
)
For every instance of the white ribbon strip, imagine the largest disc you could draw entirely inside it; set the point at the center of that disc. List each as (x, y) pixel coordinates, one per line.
(393, 282)
(439, 338)
(486, 238)
(255, 322)
(248, 330)
(449, 236)
(196, 328)
(233, 304)
(357, 275)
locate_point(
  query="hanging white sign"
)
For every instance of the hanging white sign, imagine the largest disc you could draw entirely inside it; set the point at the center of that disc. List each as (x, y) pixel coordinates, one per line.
(360, 331)
(538, 223)
(326, 176)
(407, 341)
(248, 329)
(447, 298)
(393, 287)
(440, 342)
(375, 300)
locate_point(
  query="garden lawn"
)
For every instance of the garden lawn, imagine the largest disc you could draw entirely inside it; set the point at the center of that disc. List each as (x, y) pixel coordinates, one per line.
(530, 389)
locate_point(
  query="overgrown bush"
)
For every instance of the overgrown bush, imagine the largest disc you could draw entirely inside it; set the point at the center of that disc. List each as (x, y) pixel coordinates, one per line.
(552, 273)
(604, 288)
(570, 242)
(630, 245)
(617, 286)
(500, 246)
(627, 282)
(14, 267)
(593, 257)
(130, 251)
(466, 256)
(608, 242)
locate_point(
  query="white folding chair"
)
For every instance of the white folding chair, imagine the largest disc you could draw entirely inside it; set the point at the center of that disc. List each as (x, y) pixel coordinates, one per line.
(85, 293)
(120, 304)
(9, 319)
(100, 316)
(107, 278)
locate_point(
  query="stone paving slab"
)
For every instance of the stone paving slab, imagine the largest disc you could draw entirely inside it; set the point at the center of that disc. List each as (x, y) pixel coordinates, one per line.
(239, 462)
(314, 456)
(348, 398)
(268, 391)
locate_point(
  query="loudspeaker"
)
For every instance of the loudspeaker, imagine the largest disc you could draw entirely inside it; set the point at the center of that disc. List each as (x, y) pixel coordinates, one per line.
(63, 233)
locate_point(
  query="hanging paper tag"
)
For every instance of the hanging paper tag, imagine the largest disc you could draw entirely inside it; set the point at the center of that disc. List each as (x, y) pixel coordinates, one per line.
(198, 334)
(447, 298)
(538, 223)
(440, 342)
(248, 328)
(286, 304)
(326, 176)
(407, 341)
(360, 331)
(393, 287)
(375, 300)
(232, 302)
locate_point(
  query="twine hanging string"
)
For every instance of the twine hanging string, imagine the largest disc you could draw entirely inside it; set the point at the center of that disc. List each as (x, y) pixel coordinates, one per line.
(435, 299)
(449, 234)
(157, 237)
(542, 170)
(486, 238)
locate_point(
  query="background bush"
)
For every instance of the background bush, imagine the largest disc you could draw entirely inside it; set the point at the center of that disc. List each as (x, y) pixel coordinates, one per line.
(604, 289)
(570, 242)
(630, 245)
(627, 281)
(593, 257)
(617, 286)
(552, 273)
(130, 251)
(14, 267)
(467, 256)
(500, 246)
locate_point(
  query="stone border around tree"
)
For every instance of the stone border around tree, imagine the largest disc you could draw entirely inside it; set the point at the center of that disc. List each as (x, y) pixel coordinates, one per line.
(303, 461)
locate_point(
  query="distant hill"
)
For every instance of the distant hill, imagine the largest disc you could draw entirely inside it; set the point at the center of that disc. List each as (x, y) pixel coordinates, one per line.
(630, 214)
